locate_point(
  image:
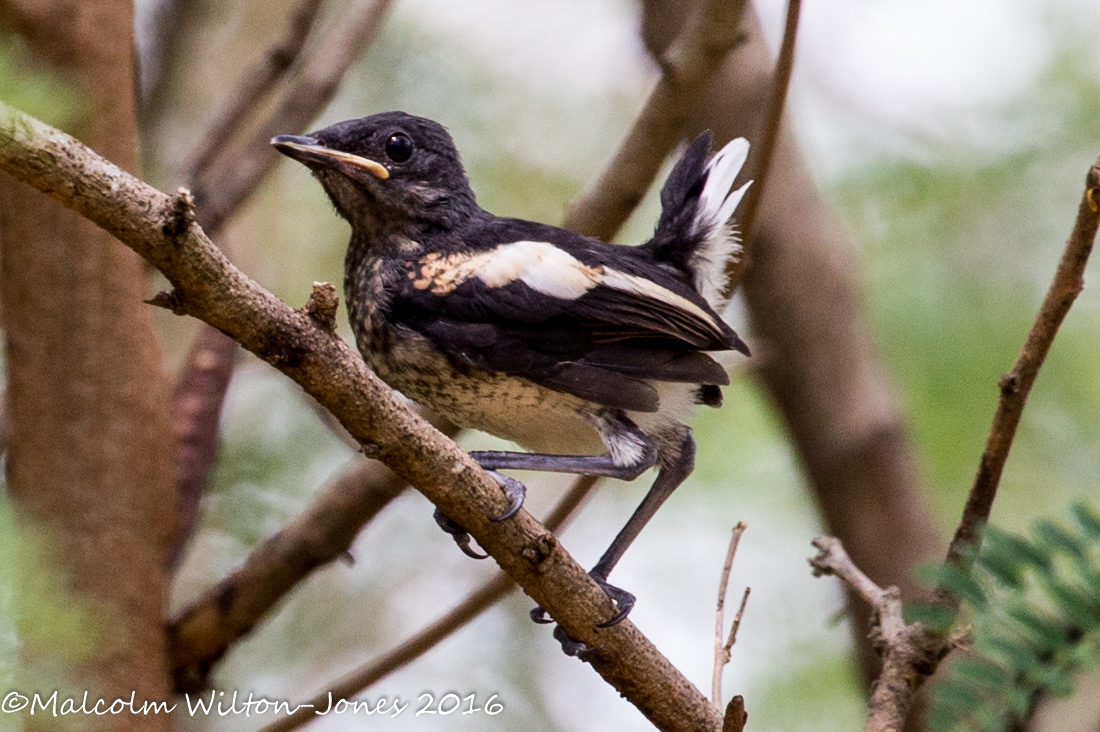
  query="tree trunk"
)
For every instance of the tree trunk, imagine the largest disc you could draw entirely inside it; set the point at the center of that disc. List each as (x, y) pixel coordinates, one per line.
(91, 465)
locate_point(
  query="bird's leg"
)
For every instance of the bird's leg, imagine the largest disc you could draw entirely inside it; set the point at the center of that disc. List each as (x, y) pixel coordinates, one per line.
(672, 474)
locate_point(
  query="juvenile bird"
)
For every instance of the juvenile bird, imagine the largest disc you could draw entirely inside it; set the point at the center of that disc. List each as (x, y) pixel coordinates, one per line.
(589, 354)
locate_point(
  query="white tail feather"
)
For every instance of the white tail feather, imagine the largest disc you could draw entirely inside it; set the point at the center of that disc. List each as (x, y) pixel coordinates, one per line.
(716, 206)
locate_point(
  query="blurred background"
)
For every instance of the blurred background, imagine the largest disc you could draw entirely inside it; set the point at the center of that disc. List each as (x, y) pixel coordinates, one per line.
(950, 140)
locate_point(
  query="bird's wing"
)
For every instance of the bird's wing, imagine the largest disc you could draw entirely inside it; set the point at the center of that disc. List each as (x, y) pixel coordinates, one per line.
(570, 321)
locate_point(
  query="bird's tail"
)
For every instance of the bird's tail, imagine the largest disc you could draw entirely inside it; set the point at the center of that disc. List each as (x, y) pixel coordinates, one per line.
(696, 232)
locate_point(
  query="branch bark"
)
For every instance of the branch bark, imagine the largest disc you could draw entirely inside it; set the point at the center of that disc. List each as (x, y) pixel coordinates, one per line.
(477, 602)
(208, 286)
(203, 632)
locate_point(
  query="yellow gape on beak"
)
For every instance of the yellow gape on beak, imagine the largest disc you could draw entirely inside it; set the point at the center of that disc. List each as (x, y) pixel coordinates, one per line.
(304, 148)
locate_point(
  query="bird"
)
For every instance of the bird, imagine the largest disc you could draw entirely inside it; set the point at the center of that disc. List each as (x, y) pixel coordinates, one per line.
(590, 355)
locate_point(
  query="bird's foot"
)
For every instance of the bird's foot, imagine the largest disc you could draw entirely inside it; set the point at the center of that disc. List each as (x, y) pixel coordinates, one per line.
(515, 491)
(624, 602)
(459, 534)
(574, 647)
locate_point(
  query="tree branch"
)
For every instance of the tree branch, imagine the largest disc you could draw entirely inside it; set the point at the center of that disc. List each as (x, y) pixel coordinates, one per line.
(721, 652)
(224, 185)
(766, 141)
(209, 287)
(912, 653)
(1015, 386)
(204, 631)
(476, 603)
(687, 68)
(255, 85)
(898, 643)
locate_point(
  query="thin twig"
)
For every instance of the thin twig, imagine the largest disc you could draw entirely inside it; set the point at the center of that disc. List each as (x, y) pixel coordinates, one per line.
(901, 651)
(402, 655)
(765, 148)
(721, 658)
(687, 67)
(1015, 386)
(255, 85)
(736, 624)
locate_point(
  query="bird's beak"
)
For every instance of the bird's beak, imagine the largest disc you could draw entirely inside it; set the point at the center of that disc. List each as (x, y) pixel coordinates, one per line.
(309, 152)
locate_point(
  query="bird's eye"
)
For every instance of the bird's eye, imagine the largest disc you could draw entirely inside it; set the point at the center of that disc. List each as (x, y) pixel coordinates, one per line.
(399, 147)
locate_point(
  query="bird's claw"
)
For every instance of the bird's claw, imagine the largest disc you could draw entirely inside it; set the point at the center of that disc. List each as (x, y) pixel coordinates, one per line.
(459, 534)
(515, 491)
(624, 601)
(574, 647)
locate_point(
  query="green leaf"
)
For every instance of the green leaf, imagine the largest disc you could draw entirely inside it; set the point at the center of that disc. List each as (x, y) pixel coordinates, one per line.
(1045, 631)
(1074, 605)
(1016, 548)
(963, 585)
(1054, 536)
(1088, 518)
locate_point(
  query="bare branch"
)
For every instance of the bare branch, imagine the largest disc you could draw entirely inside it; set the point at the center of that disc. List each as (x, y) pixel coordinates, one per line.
(476, 603)
(203, 632)
(736, 624)
(687, 68)
(766, 143)
(1015, 386)
(196, 411)
(721, 655)
(893, 692)
(256, 83)
(209, 287)
(912, 653)
(226, 184)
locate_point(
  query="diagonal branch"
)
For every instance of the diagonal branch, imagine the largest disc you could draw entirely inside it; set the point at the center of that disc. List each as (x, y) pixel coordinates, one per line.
(765, 147)
(911, 653)
(206, 285)
(687, 68)
(402, 655)
(203, 632)
(254, 86)
(226, 184)
(1015, 386)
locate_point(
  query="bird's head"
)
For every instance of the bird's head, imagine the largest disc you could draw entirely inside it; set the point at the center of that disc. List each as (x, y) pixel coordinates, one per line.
(387, 173)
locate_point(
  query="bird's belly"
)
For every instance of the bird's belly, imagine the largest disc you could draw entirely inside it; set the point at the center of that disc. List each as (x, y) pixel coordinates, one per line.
(510, 407)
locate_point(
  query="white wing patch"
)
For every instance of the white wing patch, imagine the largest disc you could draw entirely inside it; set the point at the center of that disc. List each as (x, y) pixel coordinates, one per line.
(544, 268)
(541, 266)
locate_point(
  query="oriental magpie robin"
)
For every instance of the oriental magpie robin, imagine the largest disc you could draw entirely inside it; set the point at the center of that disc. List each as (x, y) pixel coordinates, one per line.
(589, 354)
